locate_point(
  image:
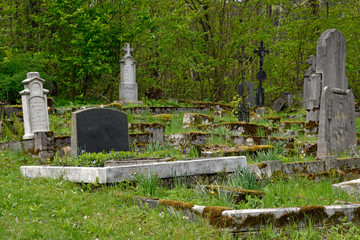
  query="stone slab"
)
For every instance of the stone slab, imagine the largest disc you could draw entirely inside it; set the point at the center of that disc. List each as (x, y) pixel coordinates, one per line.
(122, 173)
(241, 219)
(351, 187)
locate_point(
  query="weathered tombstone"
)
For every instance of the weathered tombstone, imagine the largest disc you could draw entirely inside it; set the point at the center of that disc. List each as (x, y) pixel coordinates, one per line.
(34, 105)
(312, 91)
(278, 104)
(337, 130)
(261, 75)
(247, 89)
(244, 105)
(330, 59)
(99, 129)
(128, 89)
(288, 97)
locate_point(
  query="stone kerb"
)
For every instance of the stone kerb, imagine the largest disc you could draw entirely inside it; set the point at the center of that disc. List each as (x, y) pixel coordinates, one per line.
(34, 105)
(98, 130)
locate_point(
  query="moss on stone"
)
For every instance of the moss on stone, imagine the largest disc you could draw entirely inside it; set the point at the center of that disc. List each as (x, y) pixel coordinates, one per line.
(261, 165)
(164, 117)
(316, 213)
(213, 213)
(261, 219)
(115, 105)
(20, 114)
(179, 205)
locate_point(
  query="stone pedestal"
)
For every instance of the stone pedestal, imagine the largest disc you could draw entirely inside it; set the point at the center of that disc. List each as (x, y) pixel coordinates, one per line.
(44, 145)
(34, 105)
(128, 92)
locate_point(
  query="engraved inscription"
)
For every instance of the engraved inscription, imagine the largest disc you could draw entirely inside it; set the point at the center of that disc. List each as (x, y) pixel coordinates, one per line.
(37, 114)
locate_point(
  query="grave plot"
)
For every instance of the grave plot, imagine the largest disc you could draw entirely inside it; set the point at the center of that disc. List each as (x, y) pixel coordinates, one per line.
(223, 198)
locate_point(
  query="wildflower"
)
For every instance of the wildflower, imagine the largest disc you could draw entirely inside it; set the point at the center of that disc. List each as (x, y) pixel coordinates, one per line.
(94, 161)
(212, 192)
(328, 153)
(302, 157)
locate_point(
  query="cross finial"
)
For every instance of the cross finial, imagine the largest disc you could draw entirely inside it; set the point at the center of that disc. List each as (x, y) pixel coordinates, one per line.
(261, 51)
(127, 49)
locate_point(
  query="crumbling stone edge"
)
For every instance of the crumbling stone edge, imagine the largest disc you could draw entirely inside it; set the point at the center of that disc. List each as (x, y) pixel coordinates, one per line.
(255, 219)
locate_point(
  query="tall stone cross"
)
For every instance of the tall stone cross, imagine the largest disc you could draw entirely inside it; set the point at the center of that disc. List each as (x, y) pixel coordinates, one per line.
(127, 49)
(261, 51)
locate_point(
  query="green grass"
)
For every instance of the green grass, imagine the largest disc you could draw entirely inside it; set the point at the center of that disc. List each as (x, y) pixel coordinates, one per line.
(60, 124)
(58, 209)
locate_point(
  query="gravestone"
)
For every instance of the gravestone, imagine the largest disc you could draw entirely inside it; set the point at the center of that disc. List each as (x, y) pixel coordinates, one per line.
(261, 75)
(278, 104)
(34, 105)
(245, 104)
(128, 88)
(312, 91)
(247, 89)
(330, 59)
(99, 129)
(337, 130)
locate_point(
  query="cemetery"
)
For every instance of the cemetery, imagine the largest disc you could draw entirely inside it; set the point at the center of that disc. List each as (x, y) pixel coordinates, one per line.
(253, 161)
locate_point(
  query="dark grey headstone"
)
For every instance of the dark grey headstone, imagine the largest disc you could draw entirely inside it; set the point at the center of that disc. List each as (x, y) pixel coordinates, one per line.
(99, 129)
(246, 89)
(278, 104)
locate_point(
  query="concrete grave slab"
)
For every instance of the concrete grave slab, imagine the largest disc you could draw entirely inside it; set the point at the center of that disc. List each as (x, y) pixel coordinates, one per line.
(123, 173)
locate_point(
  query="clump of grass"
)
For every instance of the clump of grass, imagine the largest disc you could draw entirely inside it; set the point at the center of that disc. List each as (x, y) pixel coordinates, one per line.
(277, 153)
(12, 129)
(147, 184)
(248, 180)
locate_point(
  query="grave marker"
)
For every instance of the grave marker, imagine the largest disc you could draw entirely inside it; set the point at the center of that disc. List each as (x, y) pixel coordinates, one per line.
(99, 129)
(128, 89)
(261, 75)
(34, 105)
(337, 130)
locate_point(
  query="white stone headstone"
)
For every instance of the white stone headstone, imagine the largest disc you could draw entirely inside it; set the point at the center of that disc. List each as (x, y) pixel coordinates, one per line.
(128, 89)
(34, 105)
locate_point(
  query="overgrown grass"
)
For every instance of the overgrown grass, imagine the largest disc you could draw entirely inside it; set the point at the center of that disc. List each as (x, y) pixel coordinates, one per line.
(12, 129)
(60, 124)
(57, 209)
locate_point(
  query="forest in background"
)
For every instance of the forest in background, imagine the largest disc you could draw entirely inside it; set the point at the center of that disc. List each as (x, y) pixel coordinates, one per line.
(189, 49)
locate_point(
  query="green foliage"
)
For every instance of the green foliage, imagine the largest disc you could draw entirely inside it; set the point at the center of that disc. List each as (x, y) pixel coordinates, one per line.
(12, 129)
(247, 180)
(14, 66)
(98, 159)
(188, 49)
(146, 184)
(275, 154)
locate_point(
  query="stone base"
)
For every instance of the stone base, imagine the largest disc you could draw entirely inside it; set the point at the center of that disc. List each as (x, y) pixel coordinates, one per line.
(28, 136)
(130, 102)
(128, 92)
